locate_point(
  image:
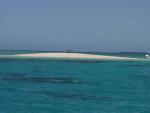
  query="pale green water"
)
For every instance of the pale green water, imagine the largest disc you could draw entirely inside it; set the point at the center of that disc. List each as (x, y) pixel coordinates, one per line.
(74, 86)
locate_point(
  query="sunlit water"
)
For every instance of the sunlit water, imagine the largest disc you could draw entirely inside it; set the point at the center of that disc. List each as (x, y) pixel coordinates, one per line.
(73, 86)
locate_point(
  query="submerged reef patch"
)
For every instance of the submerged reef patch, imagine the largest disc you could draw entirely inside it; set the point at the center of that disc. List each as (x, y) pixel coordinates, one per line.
(5, 60)
(59, 80)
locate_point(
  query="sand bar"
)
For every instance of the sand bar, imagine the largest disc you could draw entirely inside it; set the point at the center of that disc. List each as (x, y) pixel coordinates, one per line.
(73, 56)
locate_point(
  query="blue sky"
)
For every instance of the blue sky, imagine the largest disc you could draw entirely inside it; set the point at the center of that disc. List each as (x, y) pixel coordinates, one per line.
(81, 25)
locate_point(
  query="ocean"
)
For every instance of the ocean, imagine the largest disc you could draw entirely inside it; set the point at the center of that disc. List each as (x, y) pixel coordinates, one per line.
(74, 86)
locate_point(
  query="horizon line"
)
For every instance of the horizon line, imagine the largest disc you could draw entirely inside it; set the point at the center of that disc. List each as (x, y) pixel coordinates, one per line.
(74, 51)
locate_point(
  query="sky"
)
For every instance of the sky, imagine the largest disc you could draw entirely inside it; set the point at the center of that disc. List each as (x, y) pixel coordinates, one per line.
(80, 25)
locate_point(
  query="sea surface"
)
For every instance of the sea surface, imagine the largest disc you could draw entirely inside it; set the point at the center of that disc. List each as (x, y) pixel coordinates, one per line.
(74, 86)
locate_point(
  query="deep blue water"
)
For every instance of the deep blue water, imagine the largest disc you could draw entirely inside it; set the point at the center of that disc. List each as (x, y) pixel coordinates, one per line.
(73, 86)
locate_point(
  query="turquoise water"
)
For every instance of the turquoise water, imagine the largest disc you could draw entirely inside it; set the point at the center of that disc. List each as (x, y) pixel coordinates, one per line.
(73, 86)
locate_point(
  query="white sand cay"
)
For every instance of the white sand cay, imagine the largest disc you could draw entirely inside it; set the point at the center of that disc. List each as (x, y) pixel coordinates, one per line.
(73, 56)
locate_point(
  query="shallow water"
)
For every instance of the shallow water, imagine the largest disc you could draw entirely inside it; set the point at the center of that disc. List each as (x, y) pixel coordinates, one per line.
(74, 86)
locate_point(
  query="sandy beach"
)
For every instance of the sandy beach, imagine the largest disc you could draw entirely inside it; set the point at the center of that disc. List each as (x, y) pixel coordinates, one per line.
(73, 56)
